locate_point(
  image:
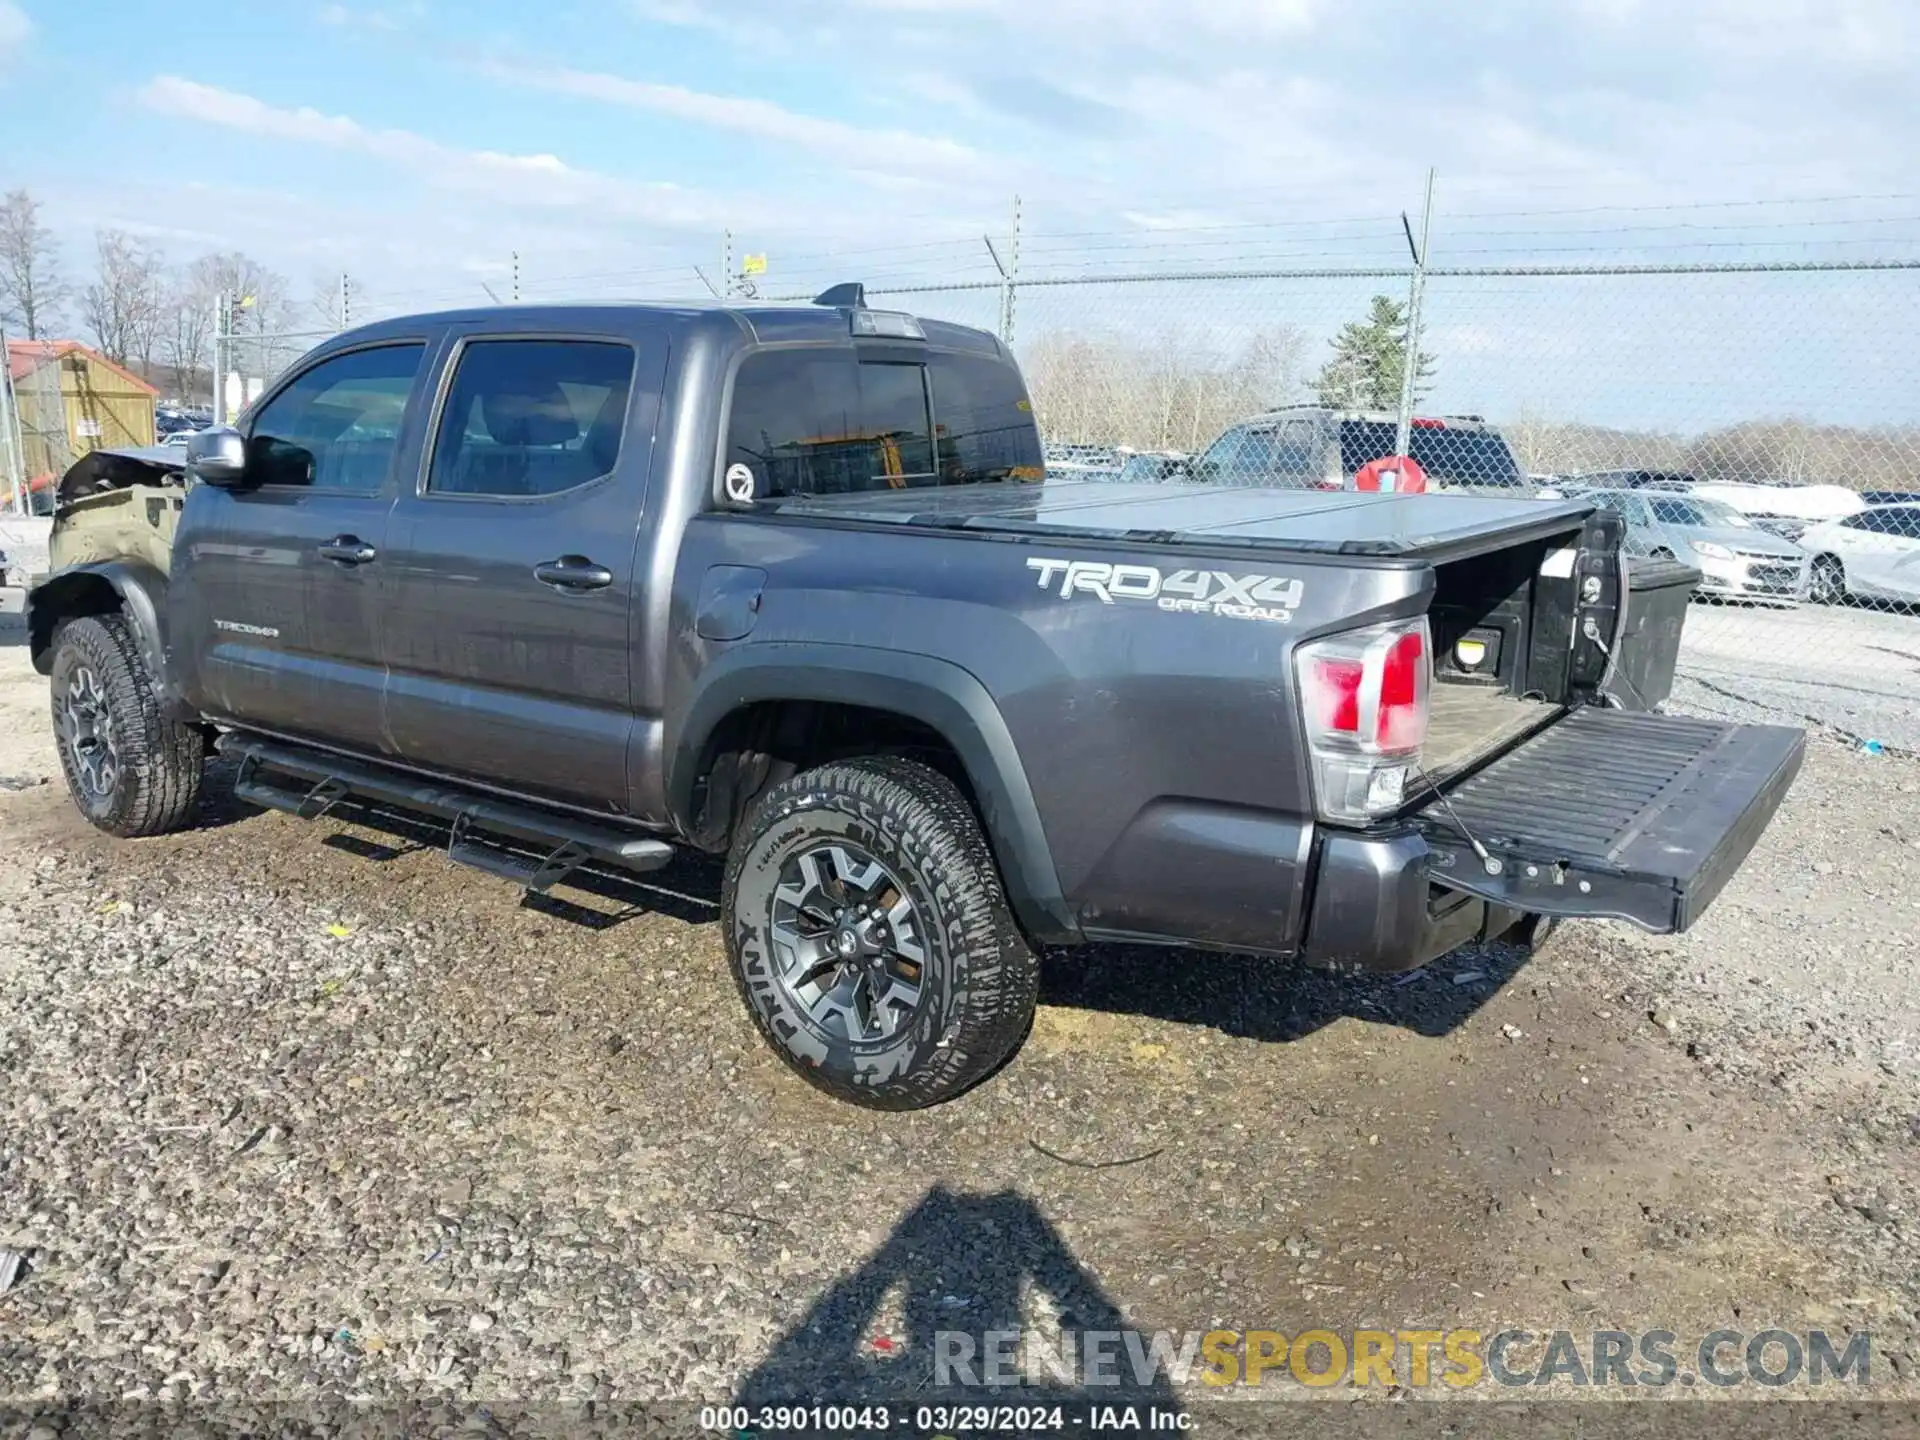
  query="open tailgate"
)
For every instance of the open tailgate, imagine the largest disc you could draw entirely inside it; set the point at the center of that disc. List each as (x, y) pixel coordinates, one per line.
(1613, 814)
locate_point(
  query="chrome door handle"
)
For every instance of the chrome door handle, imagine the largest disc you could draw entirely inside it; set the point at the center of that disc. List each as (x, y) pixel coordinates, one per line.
(348, 550)
(573, 573)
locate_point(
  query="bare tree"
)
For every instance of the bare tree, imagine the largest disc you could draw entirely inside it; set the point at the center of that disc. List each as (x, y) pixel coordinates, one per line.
(189, 328)
(125, 305)
(31, 288)
(327, 302)
(1170, 390)
(258, 296)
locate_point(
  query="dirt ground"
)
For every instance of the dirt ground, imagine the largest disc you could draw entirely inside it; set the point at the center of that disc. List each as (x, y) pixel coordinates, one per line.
(304, 1110)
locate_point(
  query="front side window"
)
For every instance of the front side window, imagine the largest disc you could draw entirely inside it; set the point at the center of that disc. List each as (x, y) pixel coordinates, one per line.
(527, 418)
(336, 427)
(1903, 523)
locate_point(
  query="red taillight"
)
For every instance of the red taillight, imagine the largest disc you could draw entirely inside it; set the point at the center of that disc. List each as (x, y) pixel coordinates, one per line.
(1429, 424)
(1336, 693)
(1363, 696)
(1403, 712)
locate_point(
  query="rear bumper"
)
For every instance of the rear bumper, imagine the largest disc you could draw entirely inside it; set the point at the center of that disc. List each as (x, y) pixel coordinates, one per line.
(1376, 906)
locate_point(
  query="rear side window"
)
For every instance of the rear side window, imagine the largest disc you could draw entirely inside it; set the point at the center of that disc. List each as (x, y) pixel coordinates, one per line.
(336, 426)
(984, 421)
(827, 422)
(527, 418)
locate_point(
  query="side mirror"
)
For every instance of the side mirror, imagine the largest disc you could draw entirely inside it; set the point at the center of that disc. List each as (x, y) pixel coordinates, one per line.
(217, 457)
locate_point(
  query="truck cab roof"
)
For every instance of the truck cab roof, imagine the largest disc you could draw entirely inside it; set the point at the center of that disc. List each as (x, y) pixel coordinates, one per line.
(750, 324)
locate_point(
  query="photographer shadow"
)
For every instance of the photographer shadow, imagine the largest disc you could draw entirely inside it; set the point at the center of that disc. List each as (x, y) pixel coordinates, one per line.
(964, 1267)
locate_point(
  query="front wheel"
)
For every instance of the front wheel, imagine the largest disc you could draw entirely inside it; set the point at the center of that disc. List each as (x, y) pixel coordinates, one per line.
(870, 936)
(131, 771)
(1829, 585)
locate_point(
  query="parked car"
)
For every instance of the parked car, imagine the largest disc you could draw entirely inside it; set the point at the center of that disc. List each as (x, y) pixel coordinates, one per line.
(1150, 466)
(1785, 510)
(1736, 559)
(1632, 480)
(1082, 462)
(600, 584)
(178, 438)
(1316, 448)
(1871, 555)
(1891, 497)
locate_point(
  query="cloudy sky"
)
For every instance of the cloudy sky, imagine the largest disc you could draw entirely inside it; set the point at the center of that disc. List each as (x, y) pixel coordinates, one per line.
(419, 144)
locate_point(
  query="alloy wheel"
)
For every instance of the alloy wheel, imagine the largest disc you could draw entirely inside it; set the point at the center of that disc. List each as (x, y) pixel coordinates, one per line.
(849, 944)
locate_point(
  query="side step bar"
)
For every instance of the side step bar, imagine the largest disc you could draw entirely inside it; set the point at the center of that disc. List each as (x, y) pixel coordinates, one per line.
(320, 781)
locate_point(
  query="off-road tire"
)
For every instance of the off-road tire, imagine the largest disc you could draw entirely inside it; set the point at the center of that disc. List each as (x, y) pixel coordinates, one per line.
(1829, 582)
(981, 979)
(155, 787)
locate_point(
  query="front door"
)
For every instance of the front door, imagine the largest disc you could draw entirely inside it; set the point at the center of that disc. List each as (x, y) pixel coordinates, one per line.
(275, 588)
(514, 567)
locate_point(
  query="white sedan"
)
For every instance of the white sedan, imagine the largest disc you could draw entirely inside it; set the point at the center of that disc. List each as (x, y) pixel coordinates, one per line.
(1872, 555)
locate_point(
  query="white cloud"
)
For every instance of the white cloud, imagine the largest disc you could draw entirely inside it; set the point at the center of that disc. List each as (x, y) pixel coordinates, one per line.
(887, 152)
(390, 20)
(15, 27)
(536, 180)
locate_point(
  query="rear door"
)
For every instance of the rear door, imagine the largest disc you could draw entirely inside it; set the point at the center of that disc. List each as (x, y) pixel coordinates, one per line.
(514, 565)
(275, 592)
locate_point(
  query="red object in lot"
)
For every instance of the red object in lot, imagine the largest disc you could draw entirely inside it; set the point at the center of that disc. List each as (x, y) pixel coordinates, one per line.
(1400, 474)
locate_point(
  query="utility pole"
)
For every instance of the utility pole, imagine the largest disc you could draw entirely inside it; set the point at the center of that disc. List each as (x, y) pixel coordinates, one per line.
(1410, 366)
(1013, 277)
(219, 348)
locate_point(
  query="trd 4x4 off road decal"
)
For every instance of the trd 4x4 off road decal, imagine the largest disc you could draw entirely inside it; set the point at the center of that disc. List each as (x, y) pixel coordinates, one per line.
(1190, 592)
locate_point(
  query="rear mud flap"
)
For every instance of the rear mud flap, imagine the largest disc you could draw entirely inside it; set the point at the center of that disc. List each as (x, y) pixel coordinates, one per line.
(1607, 814)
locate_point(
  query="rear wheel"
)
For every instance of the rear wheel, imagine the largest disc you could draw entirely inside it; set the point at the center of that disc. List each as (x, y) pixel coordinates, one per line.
(870, 936)
(1829, 585)
(130, 770)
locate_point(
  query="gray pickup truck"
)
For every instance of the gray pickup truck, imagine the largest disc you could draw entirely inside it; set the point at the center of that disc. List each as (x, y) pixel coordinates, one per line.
(782, 583)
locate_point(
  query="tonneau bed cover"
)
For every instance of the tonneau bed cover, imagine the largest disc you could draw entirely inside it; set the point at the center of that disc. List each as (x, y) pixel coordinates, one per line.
(1424, 527)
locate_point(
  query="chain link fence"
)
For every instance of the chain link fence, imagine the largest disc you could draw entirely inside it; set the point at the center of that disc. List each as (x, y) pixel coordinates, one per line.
(1756, 421)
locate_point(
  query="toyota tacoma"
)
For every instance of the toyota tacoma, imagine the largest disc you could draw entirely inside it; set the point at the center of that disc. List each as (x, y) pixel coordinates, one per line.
(594, 585)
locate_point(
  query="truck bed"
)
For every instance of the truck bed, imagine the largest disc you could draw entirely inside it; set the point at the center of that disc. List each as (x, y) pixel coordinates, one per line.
(1426, 527)
(1467, 722)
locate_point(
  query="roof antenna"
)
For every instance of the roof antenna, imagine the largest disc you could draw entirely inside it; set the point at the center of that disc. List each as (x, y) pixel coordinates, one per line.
(851, 296)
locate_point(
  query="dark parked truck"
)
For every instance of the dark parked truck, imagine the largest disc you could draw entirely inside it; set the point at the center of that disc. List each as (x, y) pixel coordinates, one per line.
(780, 583)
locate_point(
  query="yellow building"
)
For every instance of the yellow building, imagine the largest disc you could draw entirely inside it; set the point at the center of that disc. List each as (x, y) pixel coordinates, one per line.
(73, 400)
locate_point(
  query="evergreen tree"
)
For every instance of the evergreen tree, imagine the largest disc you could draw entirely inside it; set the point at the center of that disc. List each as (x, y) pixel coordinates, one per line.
(1369, 359)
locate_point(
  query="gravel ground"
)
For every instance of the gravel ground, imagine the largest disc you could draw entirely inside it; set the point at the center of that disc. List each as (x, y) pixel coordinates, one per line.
(1853, 670)
(301, 1111)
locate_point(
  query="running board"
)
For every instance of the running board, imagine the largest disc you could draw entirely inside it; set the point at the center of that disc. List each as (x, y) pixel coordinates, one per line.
(309, 783)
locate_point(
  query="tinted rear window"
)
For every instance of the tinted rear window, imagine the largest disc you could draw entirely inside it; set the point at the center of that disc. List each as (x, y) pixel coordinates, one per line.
(1461, 457)
(983, 421)
(825, 422)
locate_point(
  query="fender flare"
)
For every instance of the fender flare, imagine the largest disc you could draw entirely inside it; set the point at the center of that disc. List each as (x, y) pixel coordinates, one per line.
(142, 592)
(944, 697)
